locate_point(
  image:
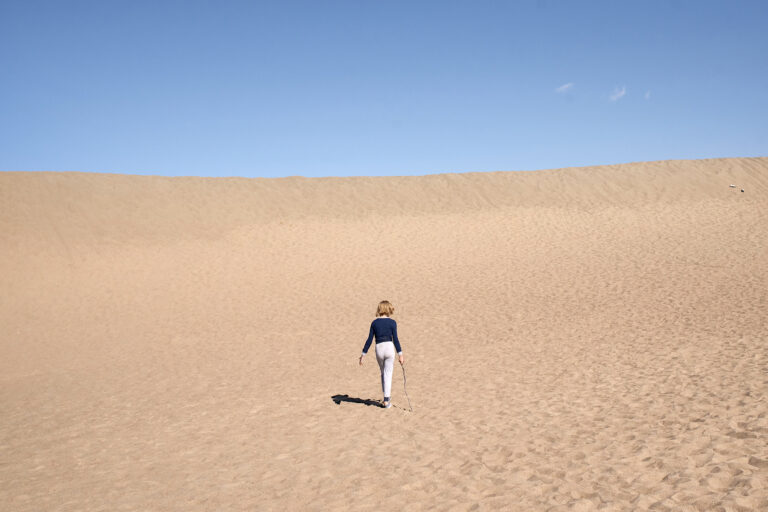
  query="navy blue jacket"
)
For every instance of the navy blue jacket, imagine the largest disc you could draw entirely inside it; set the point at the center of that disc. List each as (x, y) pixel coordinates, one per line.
(385, 329)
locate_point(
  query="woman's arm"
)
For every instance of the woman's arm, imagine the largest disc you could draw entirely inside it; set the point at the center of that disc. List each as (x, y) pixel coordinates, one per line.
(397, 341)
(368, 341)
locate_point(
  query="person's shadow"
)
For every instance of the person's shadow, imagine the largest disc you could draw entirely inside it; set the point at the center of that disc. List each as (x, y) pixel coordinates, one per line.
(346, 398)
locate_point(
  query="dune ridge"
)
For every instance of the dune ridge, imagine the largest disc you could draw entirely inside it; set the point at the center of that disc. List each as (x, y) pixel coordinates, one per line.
(149, 205)
(576, 339)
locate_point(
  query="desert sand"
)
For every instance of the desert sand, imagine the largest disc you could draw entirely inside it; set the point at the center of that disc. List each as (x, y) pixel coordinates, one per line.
(575, 339)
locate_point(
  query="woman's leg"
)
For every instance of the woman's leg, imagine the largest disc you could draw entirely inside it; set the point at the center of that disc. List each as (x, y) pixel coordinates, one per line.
(385, 355)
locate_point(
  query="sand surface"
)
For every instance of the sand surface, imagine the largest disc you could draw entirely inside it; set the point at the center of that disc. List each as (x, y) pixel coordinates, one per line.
(575, 339)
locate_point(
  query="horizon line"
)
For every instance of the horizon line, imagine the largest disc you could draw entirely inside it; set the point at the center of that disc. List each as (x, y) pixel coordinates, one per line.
(148, 174)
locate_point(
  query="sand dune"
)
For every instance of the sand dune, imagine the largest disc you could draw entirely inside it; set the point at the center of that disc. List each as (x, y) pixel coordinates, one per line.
(576, 339)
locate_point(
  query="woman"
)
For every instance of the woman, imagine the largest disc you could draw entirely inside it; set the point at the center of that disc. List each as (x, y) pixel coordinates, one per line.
(385, 331)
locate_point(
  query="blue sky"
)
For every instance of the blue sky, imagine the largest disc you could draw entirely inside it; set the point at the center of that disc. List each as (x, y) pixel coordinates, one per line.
(340, 88)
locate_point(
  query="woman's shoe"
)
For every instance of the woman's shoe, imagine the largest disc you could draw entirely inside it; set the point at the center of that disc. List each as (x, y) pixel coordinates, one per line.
(387, 405)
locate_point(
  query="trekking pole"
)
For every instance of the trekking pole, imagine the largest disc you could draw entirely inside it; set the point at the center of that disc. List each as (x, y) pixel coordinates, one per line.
(404, 389)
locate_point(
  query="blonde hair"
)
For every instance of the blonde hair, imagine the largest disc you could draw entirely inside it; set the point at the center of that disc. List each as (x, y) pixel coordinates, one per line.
(385, 308)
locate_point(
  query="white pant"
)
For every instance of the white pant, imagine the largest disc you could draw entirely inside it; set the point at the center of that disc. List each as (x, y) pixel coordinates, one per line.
(385, 355)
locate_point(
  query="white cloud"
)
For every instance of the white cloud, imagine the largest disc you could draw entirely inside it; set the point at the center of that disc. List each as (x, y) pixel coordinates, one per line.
(647, 95)
(618, 93)
(565, 87)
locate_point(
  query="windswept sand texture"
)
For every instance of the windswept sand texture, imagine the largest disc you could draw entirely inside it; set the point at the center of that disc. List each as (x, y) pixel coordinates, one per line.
(578, 339)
